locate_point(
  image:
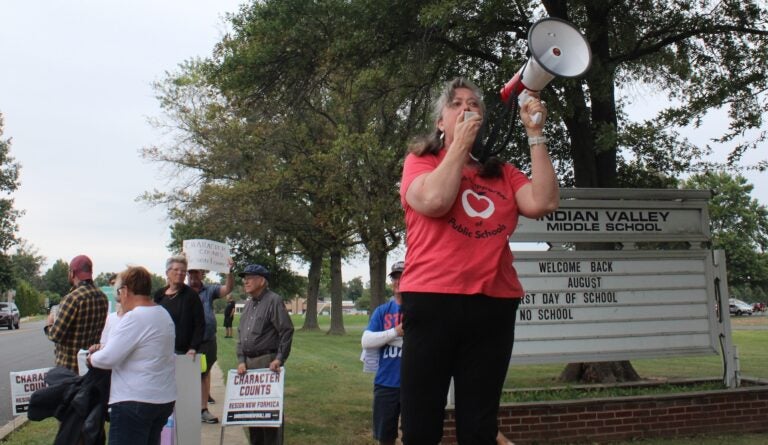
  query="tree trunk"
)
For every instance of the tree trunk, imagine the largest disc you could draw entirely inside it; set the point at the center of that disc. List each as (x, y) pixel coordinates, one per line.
(599, 372)
(313, 290)
(594, 164)
(377, 268)
(337, 316)
(602, 95)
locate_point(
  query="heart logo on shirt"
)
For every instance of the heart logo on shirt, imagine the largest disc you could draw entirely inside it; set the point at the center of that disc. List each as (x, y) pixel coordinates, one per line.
(477, 205)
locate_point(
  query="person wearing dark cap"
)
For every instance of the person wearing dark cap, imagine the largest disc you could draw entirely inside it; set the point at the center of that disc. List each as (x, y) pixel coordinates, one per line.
(384, 334)
(264, 337)
(81, 315)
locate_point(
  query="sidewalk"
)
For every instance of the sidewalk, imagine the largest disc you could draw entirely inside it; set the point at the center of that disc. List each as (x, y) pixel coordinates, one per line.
(211, 433)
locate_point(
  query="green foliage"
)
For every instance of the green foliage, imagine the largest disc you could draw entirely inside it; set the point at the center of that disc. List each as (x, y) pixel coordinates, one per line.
(353, 289)
(739, 226)
(158, 282)
(27, 263)
(702, 56)
(28, 299)
(363, 303)
(575, 393)
(56, 279)
(9, 182)
(103, 278)
(749, 293)
(293, 132)
(52, 297)
(7, 277)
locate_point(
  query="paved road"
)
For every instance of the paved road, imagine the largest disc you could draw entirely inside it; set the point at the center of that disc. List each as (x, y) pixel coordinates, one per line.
(21, 350)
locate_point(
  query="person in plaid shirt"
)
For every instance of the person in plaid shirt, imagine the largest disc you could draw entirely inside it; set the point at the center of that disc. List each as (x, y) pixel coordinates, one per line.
(81, 315)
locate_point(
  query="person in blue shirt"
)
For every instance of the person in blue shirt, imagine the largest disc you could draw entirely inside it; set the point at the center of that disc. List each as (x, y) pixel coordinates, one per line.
(385, 335)
(208, 293)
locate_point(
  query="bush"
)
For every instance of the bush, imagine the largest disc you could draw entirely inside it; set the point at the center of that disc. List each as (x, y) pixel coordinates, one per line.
(28, 299)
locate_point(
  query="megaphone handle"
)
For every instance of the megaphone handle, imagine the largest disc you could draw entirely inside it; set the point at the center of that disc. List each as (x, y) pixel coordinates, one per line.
(522, 98)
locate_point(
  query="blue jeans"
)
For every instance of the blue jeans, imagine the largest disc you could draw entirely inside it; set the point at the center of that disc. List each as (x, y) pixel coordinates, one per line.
(137, 423)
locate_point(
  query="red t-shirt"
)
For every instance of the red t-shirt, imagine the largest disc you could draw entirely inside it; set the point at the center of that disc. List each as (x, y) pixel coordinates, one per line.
(467, 250)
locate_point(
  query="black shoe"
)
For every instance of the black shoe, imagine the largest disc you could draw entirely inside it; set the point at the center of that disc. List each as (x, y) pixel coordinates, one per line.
(210, 400)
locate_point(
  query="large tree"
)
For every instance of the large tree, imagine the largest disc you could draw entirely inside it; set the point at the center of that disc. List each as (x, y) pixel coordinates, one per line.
(353, 79)
(56, 279)
(9, 182)
(739, 226)
(699, 56)
(258, 183)
(27, 264)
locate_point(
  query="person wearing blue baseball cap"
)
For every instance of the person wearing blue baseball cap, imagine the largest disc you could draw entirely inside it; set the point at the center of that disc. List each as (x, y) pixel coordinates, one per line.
(264, 337)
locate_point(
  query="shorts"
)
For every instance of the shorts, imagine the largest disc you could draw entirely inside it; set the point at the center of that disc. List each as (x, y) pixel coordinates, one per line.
(386, 412)
(208, 348)
(228, 322)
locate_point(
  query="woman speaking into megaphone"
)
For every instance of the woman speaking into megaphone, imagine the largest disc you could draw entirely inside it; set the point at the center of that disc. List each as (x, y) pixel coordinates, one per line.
(460, 290)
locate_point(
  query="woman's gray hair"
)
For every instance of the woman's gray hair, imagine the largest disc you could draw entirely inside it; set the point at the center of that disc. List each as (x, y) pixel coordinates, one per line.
(175, 259)
(433, 142)
(449, 92)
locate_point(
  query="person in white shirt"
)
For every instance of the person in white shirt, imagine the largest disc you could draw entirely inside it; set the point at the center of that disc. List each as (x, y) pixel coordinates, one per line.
(140, 353)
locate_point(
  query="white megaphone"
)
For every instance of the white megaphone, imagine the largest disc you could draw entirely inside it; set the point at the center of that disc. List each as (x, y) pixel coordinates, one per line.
(557, 49)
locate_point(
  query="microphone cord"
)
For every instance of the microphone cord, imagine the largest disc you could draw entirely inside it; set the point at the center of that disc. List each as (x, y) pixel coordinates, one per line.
(489, 148)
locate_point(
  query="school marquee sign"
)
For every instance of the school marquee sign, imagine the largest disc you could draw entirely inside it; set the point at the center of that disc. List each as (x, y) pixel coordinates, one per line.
(636, 302)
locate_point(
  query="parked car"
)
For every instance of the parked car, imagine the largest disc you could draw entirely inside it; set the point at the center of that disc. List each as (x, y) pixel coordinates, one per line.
(738, 307)
(9, 315)
(758, 307)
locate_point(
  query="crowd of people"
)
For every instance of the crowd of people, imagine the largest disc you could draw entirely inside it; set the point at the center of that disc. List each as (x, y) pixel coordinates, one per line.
(451, 319)
(137, 345)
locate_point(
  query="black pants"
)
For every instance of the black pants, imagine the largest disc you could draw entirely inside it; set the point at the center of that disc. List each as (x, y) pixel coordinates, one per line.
(264, 435)
(465, 337)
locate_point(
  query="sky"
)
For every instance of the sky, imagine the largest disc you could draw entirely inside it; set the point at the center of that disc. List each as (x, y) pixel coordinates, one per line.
(76, 95)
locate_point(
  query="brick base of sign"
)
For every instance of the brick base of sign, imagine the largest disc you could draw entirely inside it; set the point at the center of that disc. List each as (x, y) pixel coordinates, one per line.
(741, 410)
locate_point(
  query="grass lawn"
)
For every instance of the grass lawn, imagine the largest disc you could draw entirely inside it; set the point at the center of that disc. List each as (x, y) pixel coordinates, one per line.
(328, 396)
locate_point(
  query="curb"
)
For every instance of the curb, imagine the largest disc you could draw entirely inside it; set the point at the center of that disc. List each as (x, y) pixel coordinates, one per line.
(11, 426)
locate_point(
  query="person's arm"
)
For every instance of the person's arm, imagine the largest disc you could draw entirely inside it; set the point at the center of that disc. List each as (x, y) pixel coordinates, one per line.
(284, 326)
(122, 341)
(433, 193)
(229, 284)
(198, 323)
(239, 347)
(375, 340)
(542, 195)
(64, 319)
